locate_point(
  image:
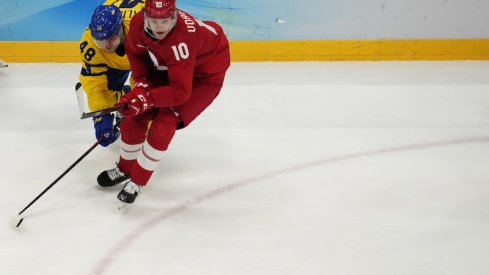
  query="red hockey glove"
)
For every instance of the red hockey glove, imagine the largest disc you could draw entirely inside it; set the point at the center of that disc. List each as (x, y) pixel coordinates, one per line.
(138, 100)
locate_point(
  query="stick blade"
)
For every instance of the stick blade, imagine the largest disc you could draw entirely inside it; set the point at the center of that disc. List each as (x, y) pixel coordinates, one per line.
(104, 111)
(16, 221)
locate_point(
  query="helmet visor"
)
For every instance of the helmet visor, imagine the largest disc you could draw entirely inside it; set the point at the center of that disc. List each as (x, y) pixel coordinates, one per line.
(160, 27)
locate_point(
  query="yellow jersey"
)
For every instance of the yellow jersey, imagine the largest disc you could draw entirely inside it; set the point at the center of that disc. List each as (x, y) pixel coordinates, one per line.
(103, 74)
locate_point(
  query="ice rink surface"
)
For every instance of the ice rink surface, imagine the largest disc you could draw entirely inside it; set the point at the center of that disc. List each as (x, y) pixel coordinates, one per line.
(344, 168)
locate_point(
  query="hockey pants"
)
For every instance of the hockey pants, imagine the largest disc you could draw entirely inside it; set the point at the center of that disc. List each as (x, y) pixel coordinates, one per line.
(142, 148)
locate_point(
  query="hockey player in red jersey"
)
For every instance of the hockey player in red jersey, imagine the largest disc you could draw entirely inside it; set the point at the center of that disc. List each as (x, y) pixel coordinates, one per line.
(178, 64)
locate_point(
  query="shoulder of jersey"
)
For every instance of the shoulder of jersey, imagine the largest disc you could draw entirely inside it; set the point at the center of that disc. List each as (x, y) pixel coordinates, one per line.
(88, 45)
(137, 19)
(135, 5)
(127, 8)
(128, 4)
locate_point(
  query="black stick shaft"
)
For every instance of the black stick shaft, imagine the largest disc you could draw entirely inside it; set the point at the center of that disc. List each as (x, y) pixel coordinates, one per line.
(68, 170)
(62, 175)
(104, 111)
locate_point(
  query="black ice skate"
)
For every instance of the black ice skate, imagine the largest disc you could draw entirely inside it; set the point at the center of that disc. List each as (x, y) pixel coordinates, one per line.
(3, 64)
(129, 193)
(112, 177)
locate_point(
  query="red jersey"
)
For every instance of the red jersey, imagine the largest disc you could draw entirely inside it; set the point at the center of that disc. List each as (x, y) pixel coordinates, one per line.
(192, 49)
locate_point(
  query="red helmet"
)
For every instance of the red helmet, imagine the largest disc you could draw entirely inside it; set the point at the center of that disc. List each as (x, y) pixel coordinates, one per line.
(159, 8)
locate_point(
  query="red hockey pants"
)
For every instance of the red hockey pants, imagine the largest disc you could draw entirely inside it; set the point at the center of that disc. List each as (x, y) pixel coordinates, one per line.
(142, 147)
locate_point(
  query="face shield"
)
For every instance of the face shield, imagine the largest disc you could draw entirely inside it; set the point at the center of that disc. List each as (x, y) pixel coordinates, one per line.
(111, 44)
(159, 27)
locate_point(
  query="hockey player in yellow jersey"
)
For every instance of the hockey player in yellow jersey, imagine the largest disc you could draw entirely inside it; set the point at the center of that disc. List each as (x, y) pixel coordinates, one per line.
(105, 67)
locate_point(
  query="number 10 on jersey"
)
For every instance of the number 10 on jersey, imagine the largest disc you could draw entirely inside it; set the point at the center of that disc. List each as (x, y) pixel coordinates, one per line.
(180, 51)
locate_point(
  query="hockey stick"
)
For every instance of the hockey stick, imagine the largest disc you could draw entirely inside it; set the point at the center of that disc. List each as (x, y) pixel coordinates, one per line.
(62, 175)
(104, 111)
(80, 96)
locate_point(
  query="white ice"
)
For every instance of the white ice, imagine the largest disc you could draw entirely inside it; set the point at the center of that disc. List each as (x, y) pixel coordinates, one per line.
(316, 168)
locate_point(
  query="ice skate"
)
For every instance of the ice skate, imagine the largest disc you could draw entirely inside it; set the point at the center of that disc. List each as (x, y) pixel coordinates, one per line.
(112, 177)
(129, 193)
(3, 64)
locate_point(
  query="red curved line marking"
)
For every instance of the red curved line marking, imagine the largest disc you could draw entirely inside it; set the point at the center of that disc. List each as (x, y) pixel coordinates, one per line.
(105, 262)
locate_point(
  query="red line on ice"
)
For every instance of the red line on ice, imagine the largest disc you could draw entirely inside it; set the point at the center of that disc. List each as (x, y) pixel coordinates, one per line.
(103, 264)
